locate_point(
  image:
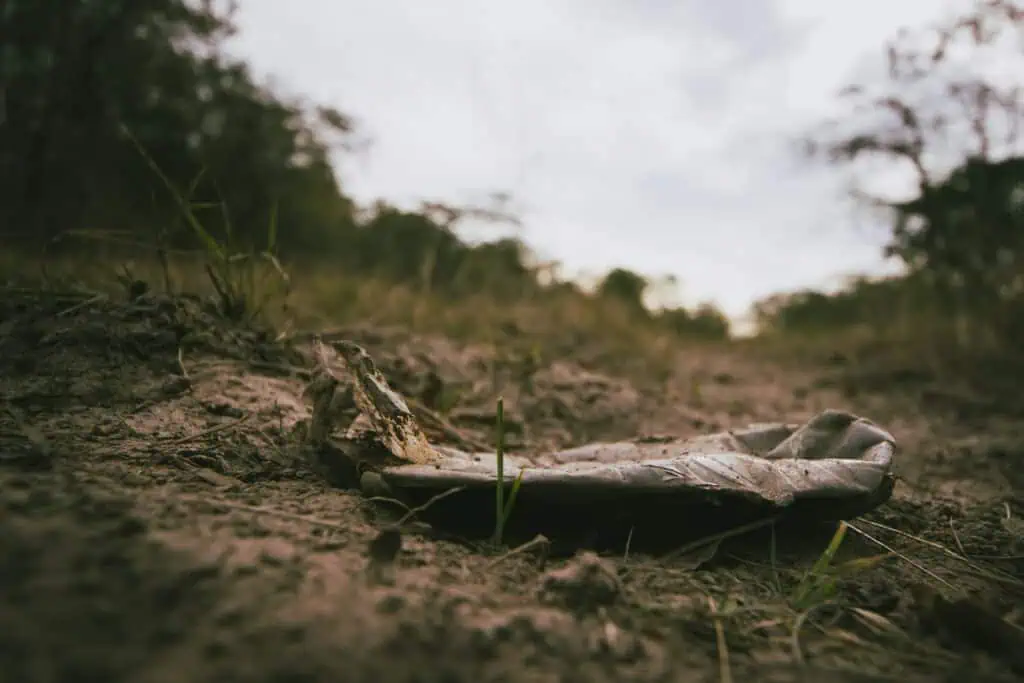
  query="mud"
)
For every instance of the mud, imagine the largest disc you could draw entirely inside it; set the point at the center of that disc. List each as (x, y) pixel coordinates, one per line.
(157, 522)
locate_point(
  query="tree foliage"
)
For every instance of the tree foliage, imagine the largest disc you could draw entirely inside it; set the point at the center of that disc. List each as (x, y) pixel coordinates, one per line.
(78, 72)
(948, 113)
(625, 287)
(119, 112)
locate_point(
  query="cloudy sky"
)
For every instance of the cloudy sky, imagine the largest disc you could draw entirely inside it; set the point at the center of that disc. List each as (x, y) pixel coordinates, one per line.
(650, 134)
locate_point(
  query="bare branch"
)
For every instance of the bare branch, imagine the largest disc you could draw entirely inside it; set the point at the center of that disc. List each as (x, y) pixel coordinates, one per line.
(922, 124)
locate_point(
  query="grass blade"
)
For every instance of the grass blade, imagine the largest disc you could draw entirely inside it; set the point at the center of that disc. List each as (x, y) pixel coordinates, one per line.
(512, 495)
(211, 244)
(499, 492)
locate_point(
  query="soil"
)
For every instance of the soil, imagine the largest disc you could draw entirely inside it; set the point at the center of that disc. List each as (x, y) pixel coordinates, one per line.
(158, 523)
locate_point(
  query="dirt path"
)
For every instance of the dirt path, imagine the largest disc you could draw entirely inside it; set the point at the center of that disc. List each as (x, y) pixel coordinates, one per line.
(157, 525)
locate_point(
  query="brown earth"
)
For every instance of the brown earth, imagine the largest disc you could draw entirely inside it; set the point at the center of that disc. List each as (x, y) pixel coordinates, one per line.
(158, 525)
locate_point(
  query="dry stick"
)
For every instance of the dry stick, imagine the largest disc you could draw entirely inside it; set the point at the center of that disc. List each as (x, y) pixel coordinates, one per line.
(82, 304)
(912, 563)
(385, 499)
(724, 671)
(412, 512)
(988, 558)
(918, 539)
(538, 541)
(207, 432)
(938, 546)
(956, 538)
(736, 531)
(417, 510)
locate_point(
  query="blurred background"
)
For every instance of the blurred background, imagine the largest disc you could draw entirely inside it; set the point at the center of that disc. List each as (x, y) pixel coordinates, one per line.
(646, 170)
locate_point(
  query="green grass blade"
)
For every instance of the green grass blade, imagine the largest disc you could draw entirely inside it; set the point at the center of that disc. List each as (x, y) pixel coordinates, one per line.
(512, 495)
(817, 584)
(194, 185)
(211, 244)
(499, 492)
(823, 562)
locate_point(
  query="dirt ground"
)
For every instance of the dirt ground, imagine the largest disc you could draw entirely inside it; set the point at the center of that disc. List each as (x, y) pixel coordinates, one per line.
(157, 523)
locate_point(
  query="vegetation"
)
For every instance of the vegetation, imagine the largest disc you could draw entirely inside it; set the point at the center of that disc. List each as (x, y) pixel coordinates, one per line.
(502, 508)
(130, 135)
(954, 129)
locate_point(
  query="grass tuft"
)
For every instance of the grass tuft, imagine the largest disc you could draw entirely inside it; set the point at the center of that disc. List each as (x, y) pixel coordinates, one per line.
(821, 582)
(240, 278)
(502, 508)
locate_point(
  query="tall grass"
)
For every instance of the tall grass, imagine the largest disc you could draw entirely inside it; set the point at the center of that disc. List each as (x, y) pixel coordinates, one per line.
(240, 278)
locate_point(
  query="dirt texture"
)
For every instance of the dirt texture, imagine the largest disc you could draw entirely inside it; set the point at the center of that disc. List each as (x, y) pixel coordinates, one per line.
(158, 522)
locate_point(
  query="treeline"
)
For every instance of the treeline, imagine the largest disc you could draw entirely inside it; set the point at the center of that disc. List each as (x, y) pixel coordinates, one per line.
(957, 129)
(122, 117)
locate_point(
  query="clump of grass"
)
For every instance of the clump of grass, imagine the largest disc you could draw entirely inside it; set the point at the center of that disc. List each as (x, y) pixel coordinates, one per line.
(502, 508)
(239, 277)
(821, 582)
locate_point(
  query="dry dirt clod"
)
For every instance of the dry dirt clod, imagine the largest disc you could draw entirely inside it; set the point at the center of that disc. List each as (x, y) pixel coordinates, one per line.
(586, 583)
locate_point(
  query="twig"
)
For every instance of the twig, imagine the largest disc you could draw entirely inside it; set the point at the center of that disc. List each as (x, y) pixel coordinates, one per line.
(956, 538)
(993, 574)
(385, 499)
(422, 508)
(82, 304)
(737, 531)
(912, 537)
(207, 432)
(538, 541)
(912, 563)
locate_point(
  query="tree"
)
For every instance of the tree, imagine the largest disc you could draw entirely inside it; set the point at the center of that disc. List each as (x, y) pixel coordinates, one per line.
(626, 287)
(77, 73)
(954, 127)
(706, 322)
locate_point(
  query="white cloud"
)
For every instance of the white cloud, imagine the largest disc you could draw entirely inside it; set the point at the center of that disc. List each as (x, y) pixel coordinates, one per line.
(645, 133)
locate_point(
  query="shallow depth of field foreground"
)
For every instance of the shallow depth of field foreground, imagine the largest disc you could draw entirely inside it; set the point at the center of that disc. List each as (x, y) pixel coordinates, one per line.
(160, 524)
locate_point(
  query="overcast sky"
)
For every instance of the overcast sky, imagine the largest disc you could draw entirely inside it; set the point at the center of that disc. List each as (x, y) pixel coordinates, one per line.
(649, 134)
